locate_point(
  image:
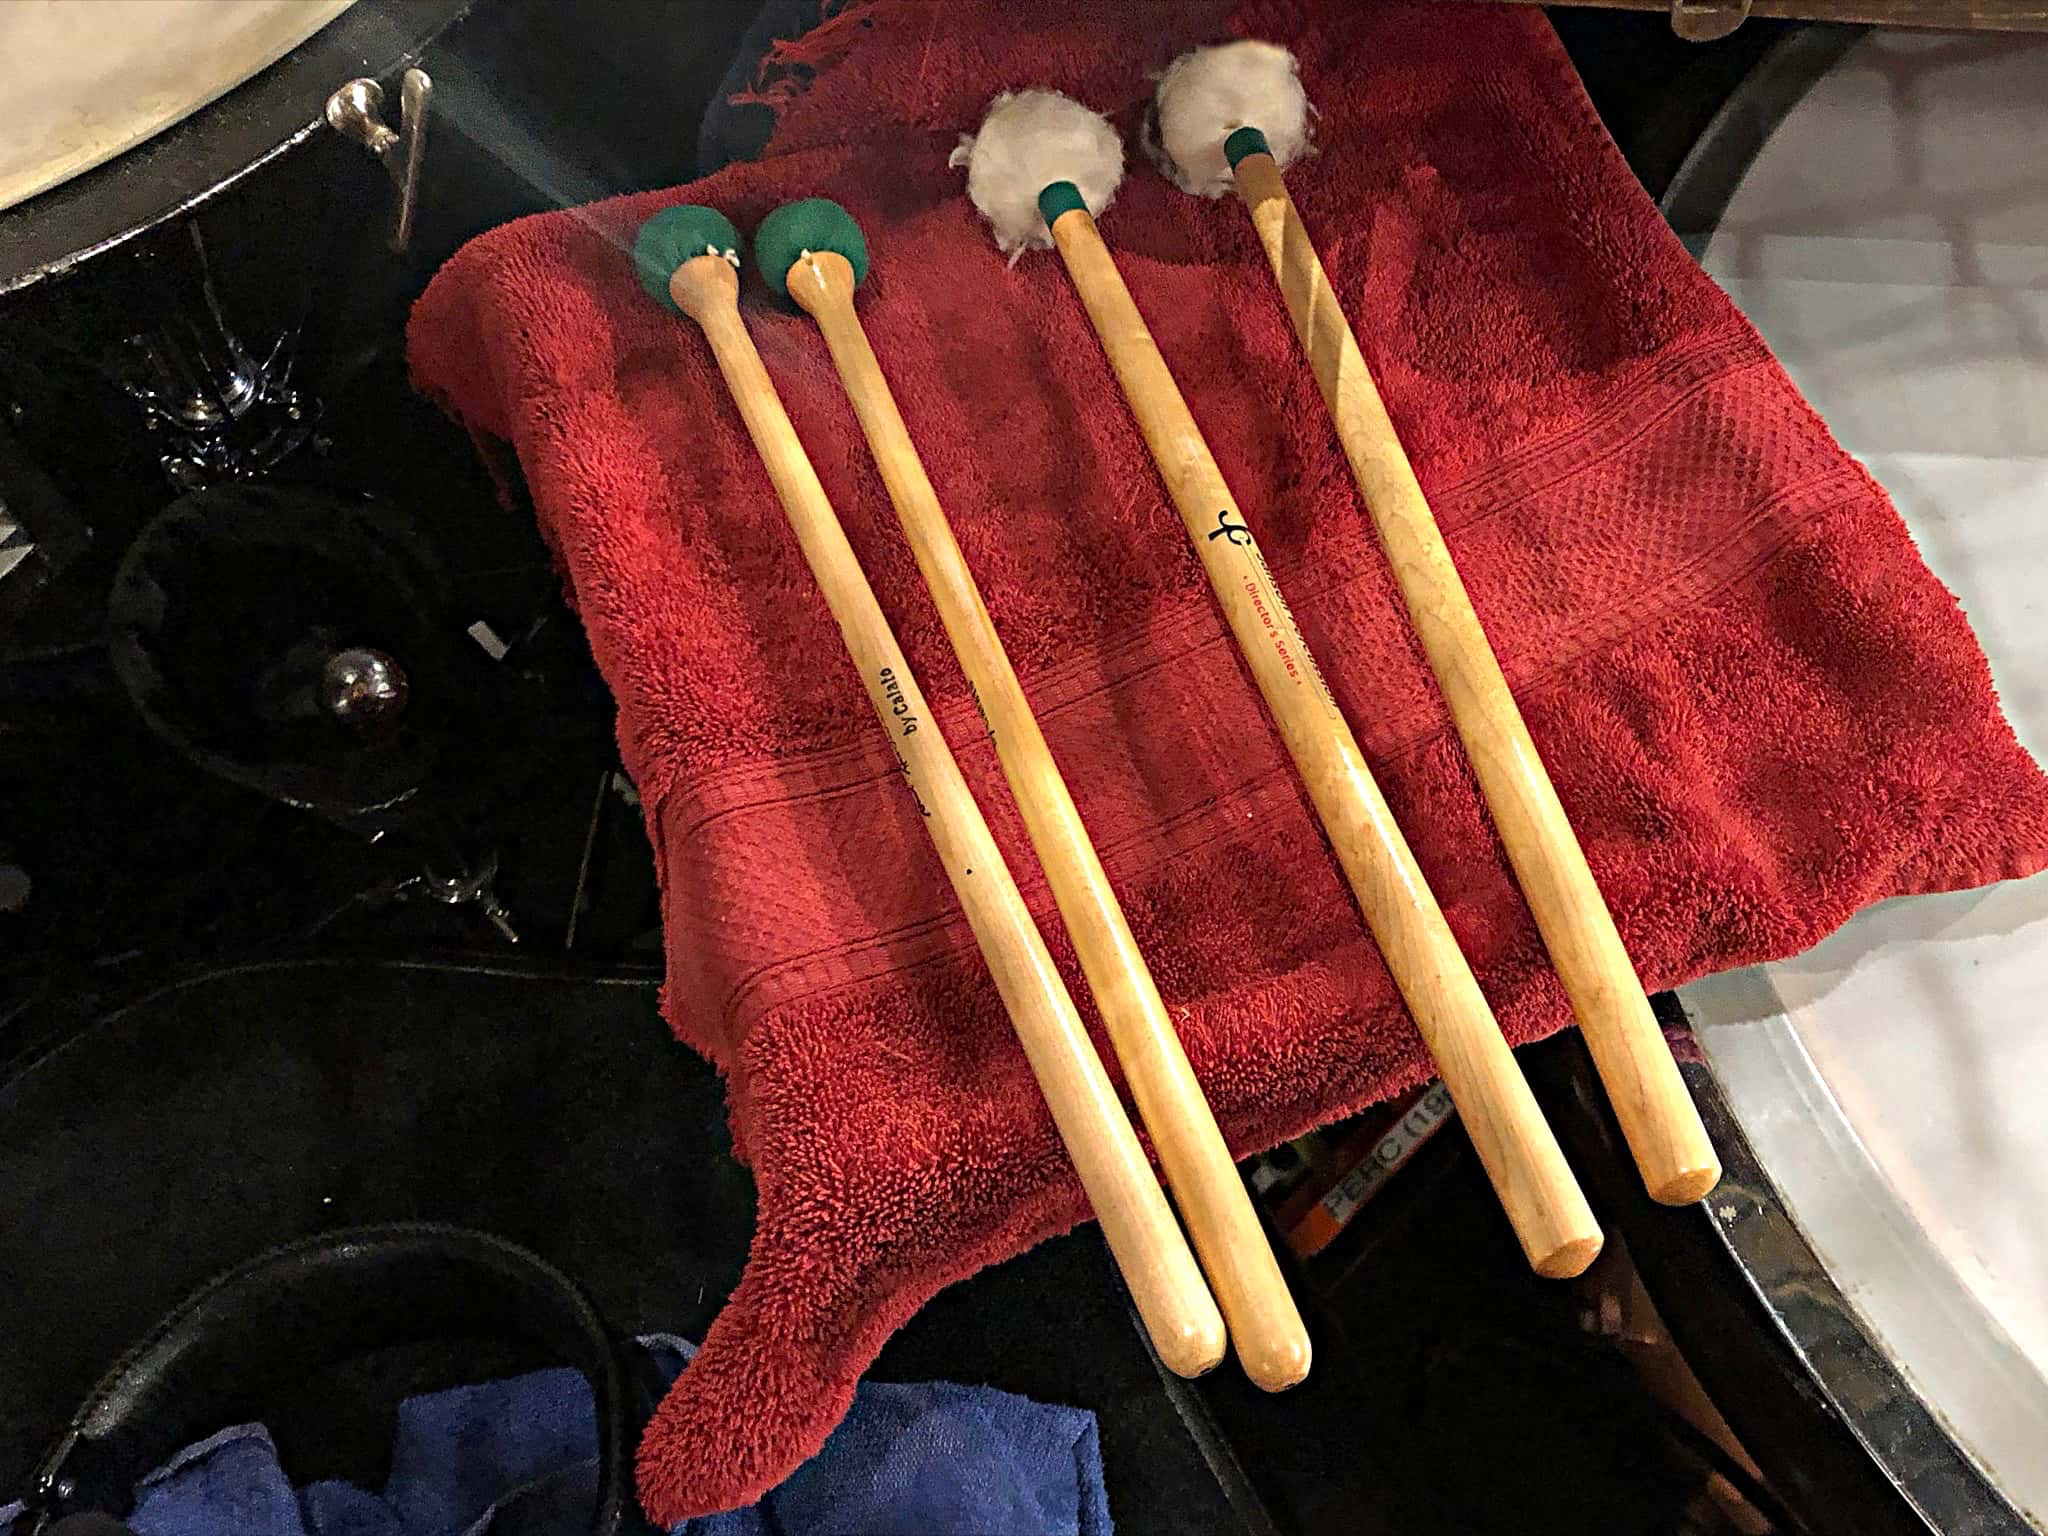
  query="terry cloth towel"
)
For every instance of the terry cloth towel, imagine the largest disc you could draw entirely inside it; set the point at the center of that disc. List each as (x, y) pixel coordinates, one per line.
(907, 1461)
(1760, 708)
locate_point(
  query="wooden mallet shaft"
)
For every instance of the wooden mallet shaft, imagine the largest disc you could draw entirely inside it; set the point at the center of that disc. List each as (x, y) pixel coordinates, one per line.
(1165, 1284)
(1536, 1187)
(1264, 1324)
(1657, 1115)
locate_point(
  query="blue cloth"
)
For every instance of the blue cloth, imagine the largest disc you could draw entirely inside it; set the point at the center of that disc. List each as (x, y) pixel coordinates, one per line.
(916, 1460)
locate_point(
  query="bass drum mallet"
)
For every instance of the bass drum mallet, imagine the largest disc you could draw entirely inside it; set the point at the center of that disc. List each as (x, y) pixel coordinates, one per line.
(1236, 116)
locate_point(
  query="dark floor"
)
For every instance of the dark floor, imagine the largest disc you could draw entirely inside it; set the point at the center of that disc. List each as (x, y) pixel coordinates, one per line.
(287, 1098)
(265, 1030)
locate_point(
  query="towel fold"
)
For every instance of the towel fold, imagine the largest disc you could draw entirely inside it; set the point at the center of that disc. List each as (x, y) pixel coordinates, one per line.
(1760, 709)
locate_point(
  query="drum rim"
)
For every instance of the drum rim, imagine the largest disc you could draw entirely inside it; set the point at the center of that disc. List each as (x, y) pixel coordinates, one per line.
(1749, 1216)
(265, 117)
(1776, 1351)
(1712, 170)
(1860, 1379)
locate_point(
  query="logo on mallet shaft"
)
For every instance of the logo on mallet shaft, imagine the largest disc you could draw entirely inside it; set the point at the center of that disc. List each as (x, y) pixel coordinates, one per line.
(1235, 533)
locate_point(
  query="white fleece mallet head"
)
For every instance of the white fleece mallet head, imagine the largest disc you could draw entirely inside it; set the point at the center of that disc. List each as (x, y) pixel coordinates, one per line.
(1207, 95)
(1031, 140)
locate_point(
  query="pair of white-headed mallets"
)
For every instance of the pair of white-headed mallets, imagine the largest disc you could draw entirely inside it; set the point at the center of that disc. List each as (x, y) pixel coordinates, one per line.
(1040, 168)
(814, 253)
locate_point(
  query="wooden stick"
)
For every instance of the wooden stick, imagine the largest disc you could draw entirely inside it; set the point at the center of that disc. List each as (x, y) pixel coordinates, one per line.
(1164, 1281)
(1663, 1128)
(1271, 1343)
(1521, 1155)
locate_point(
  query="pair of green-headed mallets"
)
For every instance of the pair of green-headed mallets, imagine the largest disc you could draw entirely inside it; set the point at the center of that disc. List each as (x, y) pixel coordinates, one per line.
(813, 253)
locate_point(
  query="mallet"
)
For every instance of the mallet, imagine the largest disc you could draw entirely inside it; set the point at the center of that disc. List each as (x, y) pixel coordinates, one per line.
(813, 253)
(1236, 115)
(688, 261)
(1039, 170)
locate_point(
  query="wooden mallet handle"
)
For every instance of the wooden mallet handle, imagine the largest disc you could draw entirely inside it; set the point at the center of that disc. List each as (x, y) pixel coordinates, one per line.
(1164, 1282)
(1536, 1187)
(1663, 1128)
(1264, 1325)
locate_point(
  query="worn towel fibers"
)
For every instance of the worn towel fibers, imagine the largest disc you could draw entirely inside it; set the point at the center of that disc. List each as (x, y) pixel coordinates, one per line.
(1761, 710)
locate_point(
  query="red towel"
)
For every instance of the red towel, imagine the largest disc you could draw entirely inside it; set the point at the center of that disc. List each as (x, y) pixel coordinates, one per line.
(1760, 708)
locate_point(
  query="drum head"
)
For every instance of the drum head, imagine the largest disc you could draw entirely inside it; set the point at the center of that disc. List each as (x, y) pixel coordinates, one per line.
(85, 82)
(1889, 237)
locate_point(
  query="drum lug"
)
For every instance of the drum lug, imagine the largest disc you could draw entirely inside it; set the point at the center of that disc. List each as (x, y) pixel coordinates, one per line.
(1703, 21)
(356, 112)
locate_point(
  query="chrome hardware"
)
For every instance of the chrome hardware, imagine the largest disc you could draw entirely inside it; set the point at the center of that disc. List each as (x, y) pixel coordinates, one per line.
(471, 887)
(361, 687)
(224, 411)
(356, 112)
(1703, 21)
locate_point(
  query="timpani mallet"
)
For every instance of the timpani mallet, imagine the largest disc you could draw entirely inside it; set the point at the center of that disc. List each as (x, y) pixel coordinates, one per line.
(813, 253)
(1040, 168)
(688, 261)
(1236, 115)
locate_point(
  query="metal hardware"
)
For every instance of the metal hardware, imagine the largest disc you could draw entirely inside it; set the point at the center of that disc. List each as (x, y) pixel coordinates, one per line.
(361, 687)
(15, 544)
(475, 888)
(1704, 21)
(356, 112)
(226, 412)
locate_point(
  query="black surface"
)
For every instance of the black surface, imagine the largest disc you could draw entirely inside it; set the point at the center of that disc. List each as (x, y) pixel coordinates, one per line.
(270, 1322)
(290, 1100)
(229, 603)
(1454, 1389)
(277, 1103)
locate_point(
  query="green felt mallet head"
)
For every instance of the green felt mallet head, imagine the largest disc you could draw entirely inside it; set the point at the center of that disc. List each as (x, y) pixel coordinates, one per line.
(803, 228)
(676, 235)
